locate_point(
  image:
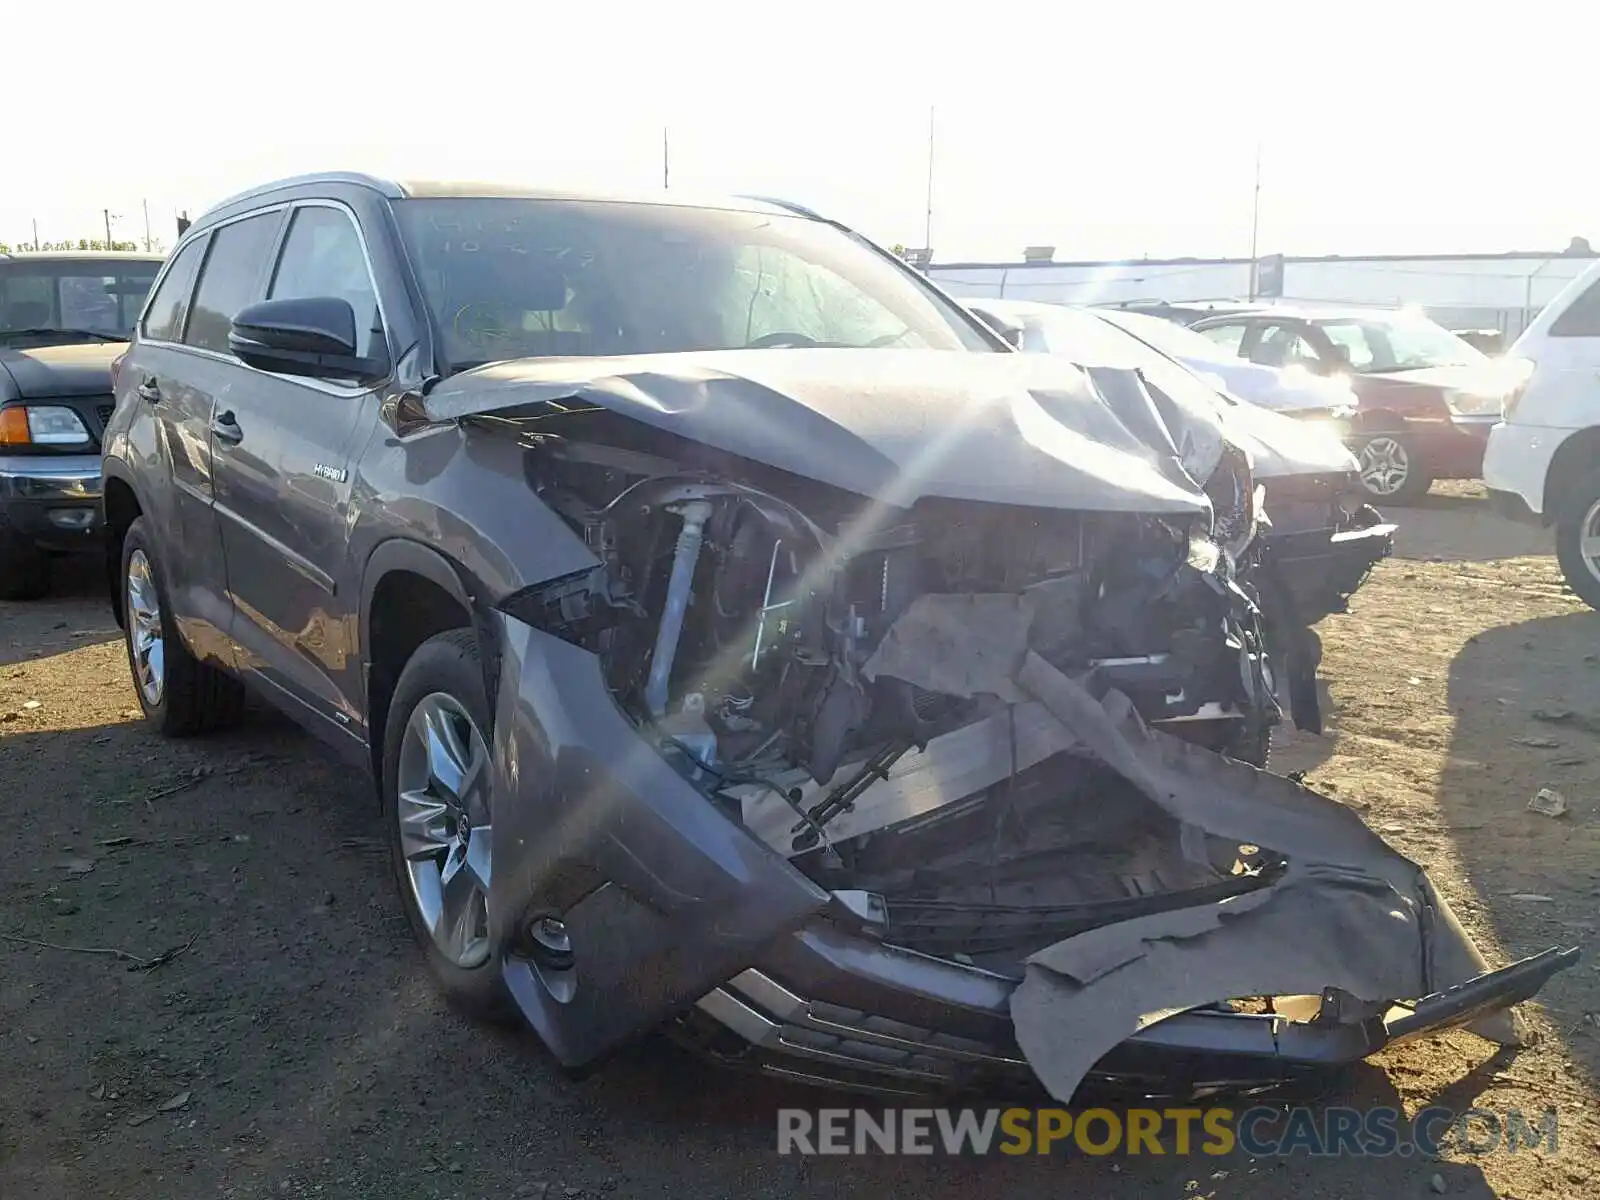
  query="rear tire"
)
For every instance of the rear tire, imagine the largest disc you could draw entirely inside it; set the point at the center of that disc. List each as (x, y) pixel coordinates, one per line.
(190, 696)
(24, 570)
(1580, 512)
(1391, 469)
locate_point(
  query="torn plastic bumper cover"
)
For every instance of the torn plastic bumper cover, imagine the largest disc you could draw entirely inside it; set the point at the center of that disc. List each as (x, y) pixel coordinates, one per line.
(668, 905)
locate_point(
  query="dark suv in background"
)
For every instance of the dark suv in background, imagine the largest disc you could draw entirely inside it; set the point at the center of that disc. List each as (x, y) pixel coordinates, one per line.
(63, 320)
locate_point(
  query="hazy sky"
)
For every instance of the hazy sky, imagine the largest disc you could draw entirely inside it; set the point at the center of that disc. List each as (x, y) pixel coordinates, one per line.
(1106, 130)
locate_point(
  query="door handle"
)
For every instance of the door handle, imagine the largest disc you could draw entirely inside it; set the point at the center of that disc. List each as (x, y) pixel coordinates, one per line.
(149, 390)
(225, 429)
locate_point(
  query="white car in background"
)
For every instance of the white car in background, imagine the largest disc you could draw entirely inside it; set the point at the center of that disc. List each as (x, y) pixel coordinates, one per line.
(1542, 463)
(1293, 391)
(1318, 538)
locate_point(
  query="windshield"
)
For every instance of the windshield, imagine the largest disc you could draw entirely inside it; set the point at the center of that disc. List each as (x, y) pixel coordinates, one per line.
(83, 296)
(1177, 340)
(1398, 342)
(527, 278)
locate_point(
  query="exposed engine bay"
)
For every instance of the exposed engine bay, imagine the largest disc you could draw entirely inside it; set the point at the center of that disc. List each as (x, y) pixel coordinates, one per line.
(936, 741)
(734, 626)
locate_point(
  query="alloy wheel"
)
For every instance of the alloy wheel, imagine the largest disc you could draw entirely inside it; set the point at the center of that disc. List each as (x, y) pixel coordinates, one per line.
(1589, 539)
(1384, 464)
(445, 829)
(146, 636)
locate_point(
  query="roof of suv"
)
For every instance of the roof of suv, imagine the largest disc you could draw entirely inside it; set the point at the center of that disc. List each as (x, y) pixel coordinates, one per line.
(434, 188)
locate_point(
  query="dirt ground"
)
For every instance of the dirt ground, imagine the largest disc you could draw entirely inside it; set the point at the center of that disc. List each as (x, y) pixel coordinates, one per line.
(289, 1044)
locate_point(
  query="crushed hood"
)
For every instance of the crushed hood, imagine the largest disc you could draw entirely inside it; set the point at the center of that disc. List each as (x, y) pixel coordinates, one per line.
(896, 425)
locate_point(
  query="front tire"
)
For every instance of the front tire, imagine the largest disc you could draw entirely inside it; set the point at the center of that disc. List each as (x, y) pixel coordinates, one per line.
(179, 694)
(1578, 538)
(436, 812)
(1391, 470)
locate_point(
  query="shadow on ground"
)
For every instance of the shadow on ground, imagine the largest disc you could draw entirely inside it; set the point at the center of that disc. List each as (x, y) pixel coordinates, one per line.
(292, 1044)
(1526, 699)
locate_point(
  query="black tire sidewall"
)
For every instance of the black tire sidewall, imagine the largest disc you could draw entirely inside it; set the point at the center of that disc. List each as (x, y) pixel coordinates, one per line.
(449, 663)
(1569, 539)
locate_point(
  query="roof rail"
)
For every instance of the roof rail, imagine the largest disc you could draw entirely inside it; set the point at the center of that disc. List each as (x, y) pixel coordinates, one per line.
(388, 187)
(798, 209)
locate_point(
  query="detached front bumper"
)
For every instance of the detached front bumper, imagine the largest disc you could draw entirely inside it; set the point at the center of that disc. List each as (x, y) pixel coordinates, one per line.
(674, 914)
(52, 502)
(874, 1019)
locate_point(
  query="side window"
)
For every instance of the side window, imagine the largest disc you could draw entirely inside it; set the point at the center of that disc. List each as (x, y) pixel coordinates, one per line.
(163, 320)
(1282, 346)
(1228, 337)
(229, 278)
(1353, 340)
(322, 256)
(1582, 316)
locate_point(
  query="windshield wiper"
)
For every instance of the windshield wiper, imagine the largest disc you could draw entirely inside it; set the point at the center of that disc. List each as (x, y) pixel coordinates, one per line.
(72, 334)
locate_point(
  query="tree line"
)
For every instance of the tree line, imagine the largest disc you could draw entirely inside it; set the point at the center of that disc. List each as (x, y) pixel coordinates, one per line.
(80, 244)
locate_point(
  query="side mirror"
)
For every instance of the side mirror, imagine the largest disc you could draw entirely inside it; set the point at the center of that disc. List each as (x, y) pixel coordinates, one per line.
(313, 336)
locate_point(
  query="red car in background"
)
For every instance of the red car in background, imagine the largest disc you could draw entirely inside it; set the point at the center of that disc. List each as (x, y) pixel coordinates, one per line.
(1427, 397)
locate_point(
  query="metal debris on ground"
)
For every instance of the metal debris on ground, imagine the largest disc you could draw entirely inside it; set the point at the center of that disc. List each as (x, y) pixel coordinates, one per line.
(173, 1103)
(1538, 743)
(1567, 718)
(1548, 802)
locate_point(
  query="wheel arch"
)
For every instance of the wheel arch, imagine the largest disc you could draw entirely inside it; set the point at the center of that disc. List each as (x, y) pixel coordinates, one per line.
(1378, 420)
(409, 593)
(120, 507)
(1573, 460)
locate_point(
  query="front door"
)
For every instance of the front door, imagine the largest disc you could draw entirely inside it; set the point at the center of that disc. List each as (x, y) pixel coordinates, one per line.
(285, 449)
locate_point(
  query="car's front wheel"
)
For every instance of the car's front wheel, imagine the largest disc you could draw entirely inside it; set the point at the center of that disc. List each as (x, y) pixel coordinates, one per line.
(1578, 538)
(436, 784)
(179, 694)
(1390, 468)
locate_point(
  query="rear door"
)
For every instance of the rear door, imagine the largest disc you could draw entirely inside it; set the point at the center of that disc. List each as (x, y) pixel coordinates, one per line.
(171, 452)
(284, 447)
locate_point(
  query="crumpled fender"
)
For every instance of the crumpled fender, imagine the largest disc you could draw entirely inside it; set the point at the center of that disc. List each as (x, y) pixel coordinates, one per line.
(662, 895)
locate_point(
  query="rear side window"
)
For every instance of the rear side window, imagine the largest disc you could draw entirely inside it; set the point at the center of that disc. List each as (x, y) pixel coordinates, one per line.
(322, 256)
(163, 320)
(1582, 316)
(1228, 337)
(230, 279)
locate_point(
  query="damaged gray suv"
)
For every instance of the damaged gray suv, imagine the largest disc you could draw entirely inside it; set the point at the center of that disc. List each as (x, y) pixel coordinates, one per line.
(749, 645)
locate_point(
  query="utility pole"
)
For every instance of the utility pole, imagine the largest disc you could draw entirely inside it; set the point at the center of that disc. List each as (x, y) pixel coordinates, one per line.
(927, 232)
(146, 204)
(36, 235)
(1255, 225)
(666, 160)
(107, 212)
